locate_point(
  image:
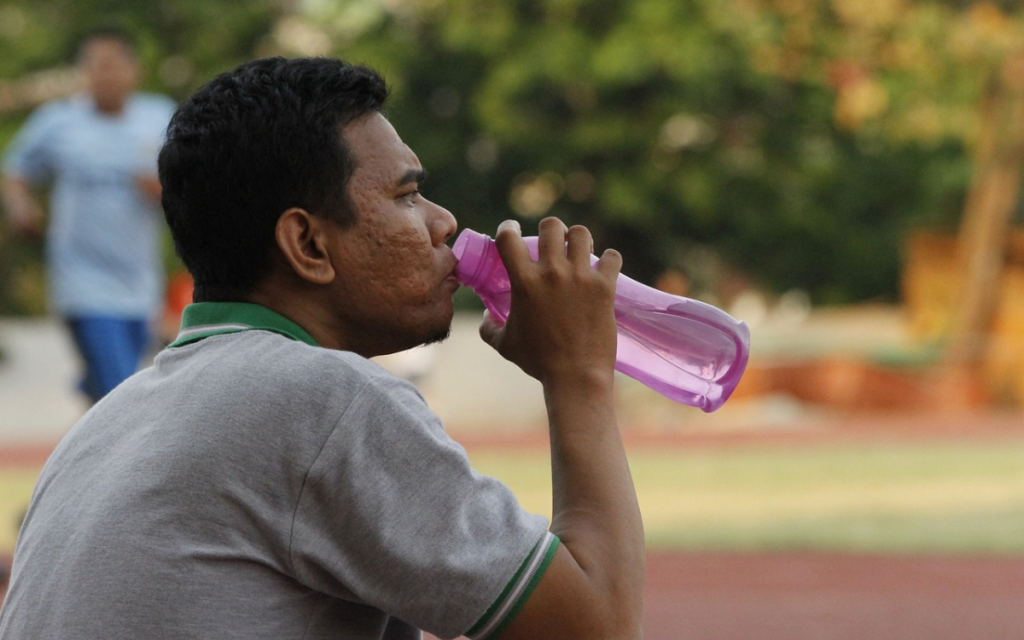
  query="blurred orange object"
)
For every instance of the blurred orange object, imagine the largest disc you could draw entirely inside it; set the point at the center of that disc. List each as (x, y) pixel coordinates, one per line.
(179, 296)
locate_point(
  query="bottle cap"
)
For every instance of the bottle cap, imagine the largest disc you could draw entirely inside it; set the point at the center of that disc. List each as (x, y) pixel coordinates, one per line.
(470, 250)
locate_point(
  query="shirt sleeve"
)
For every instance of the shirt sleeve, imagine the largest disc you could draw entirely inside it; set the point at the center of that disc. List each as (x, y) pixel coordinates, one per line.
(30, 155)
(392, 514)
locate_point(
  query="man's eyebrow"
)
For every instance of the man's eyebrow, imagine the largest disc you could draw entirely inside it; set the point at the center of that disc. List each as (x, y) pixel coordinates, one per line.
(413, 175)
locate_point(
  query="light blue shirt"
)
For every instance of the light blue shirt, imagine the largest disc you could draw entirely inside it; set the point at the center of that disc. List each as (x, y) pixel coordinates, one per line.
(103, 241)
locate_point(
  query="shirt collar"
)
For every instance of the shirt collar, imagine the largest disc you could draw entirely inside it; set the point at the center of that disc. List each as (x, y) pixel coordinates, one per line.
(204, 319)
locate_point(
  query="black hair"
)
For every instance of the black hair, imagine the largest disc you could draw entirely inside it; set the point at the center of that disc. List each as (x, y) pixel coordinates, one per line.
(249, 145)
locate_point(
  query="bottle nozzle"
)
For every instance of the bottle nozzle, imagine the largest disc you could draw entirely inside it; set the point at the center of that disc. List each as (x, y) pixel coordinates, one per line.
(470, 250)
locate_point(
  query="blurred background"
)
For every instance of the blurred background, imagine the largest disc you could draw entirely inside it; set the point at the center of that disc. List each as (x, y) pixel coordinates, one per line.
(842, 175)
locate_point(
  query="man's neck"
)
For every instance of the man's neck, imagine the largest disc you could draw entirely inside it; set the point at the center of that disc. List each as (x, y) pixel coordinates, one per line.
(303, 311)
(110, 108)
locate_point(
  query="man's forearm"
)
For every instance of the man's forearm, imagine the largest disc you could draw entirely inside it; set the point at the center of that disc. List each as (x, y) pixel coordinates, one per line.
(561, 330)
(595, 510)
(22, 211)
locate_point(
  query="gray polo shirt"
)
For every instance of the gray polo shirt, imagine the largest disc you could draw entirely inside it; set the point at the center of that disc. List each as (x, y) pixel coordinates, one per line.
(253, 485)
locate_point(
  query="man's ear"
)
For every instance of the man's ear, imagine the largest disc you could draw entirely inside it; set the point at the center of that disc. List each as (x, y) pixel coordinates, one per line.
(301, 237)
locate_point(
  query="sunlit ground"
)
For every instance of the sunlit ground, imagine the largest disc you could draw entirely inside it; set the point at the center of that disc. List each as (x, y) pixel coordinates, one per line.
(16, 484)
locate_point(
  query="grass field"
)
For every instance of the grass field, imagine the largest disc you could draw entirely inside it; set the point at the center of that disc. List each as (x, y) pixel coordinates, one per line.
(16, 482)
(939, 497)
(962, 498)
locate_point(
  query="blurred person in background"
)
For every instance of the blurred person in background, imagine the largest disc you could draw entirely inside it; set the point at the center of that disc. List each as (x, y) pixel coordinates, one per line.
(97, 151)
(265, 478)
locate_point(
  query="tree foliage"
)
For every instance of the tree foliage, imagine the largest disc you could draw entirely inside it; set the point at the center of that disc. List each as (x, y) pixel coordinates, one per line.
(682, 129)
(775, 143)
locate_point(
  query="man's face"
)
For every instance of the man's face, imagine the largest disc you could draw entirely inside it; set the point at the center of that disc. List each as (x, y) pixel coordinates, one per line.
(395, 272)
(110, 71)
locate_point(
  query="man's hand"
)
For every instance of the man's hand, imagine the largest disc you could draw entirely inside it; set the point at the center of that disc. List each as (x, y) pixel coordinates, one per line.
(561, 321)
(149, 185)
(24, 215)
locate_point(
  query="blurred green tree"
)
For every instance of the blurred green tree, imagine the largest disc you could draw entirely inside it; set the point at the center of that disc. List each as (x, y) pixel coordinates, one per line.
(777, 143)
(920, 72)
(675, 130)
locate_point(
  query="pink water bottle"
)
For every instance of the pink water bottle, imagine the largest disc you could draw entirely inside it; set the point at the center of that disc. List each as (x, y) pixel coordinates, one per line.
(685, 350)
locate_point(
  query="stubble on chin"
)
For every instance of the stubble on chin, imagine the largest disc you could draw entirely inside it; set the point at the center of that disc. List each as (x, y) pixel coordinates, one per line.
(439, 337)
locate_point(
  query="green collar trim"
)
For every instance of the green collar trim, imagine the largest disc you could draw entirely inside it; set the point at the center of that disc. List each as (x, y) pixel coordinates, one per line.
(204, 319)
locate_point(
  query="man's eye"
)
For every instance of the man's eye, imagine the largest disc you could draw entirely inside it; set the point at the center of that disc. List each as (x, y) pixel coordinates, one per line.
(412, 196)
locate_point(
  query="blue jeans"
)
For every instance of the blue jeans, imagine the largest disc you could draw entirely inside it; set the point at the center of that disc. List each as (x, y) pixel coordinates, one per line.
(111, 348)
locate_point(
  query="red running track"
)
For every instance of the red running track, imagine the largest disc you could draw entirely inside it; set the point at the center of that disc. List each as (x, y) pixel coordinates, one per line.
(832, 597)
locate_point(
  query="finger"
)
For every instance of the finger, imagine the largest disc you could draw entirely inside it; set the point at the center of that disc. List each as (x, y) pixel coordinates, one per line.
(581, 245)
(552, 239)
(610, 263)
(514, 254)
(491, 329)
(510, 225)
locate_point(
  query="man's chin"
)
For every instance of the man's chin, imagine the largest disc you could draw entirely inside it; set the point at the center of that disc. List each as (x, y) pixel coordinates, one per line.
(439, 336)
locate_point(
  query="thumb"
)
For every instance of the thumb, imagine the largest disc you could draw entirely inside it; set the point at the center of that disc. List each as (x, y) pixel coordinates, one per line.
(491, 330)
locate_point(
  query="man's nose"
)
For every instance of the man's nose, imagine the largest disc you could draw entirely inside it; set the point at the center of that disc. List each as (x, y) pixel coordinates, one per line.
(442, 224)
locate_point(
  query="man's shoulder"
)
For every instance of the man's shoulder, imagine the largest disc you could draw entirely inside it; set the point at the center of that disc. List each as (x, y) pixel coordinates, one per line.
(60, 109)
(369, 374)
(151, 108)
(266, 355)
(152, 101)
(333, 373)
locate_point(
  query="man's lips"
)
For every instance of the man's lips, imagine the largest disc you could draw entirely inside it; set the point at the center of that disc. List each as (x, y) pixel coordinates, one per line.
(451, 273)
